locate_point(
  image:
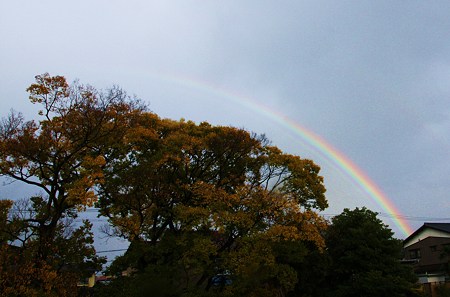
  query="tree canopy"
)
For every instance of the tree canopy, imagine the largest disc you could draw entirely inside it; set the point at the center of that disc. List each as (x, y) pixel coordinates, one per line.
(365, 257)
(209, 201)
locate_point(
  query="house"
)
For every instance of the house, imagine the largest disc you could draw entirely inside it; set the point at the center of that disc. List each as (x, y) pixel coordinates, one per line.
(427, 250)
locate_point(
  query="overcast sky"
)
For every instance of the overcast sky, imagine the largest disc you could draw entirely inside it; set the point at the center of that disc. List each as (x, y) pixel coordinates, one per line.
(370, 77)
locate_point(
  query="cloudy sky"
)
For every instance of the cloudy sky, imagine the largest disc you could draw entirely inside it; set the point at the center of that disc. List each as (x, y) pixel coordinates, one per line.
(371, 78)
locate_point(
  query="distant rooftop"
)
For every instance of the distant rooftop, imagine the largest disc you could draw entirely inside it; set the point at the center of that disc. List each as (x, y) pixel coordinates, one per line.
(443, 227)
(438, 226)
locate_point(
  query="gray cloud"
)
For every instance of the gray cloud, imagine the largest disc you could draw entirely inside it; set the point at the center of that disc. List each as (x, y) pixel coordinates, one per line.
(370, 77)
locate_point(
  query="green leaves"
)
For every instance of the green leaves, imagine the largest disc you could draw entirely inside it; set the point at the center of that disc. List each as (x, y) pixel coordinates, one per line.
(365, 257)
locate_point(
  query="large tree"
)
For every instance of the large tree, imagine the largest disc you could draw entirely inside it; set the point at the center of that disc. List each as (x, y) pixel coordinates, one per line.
(62, 155)
(207, 202)
(365, 257)
(205, 208)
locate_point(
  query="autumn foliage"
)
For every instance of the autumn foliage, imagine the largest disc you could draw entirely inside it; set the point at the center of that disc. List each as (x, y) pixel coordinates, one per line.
(60, 155)
(208, 201)
(208, 210)
(212, 200)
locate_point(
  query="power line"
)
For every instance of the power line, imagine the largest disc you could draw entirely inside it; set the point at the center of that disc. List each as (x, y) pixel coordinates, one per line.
(326, 215)
(381, 214)
(398, 216)
(412, 218)
(111, 251)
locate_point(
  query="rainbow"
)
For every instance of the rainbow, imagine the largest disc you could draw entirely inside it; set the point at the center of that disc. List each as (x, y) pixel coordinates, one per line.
(318, 143)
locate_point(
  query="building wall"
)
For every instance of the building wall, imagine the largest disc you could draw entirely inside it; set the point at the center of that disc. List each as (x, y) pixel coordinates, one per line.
(429, 254)
(424, 279)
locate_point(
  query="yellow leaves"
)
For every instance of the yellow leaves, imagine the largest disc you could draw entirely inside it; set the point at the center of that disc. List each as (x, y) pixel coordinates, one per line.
(256, 212)
(129, 225)
(94, 164)
(192, 217)
(48, 91)
(140, 134)
(280, 232)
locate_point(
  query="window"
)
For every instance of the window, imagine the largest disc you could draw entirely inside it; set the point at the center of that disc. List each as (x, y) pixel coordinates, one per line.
(433, 248)
(414, 254)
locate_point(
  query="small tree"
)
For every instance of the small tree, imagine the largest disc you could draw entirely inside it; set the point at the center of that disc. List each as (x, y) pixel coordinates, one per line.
(365, 257)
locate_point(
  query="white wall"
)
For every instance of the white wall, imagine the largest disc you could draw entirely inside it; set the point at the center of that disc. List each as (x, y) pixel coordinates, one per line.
(423, 279)
(424, 234)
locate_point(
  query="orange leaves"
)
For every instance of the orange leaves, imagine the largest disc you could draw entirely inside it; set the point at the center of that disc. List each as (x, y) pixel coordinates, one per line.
(281, 232)
(64, 150)
(50, 92)
(80, 193)
(130, 225)
(45, 84)
(64, 156)
(223, 179)
(24, 277)
(157, 178)
(252, 211)
(5, 206)
(296, 177)
(304, 226)
(140, 133)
